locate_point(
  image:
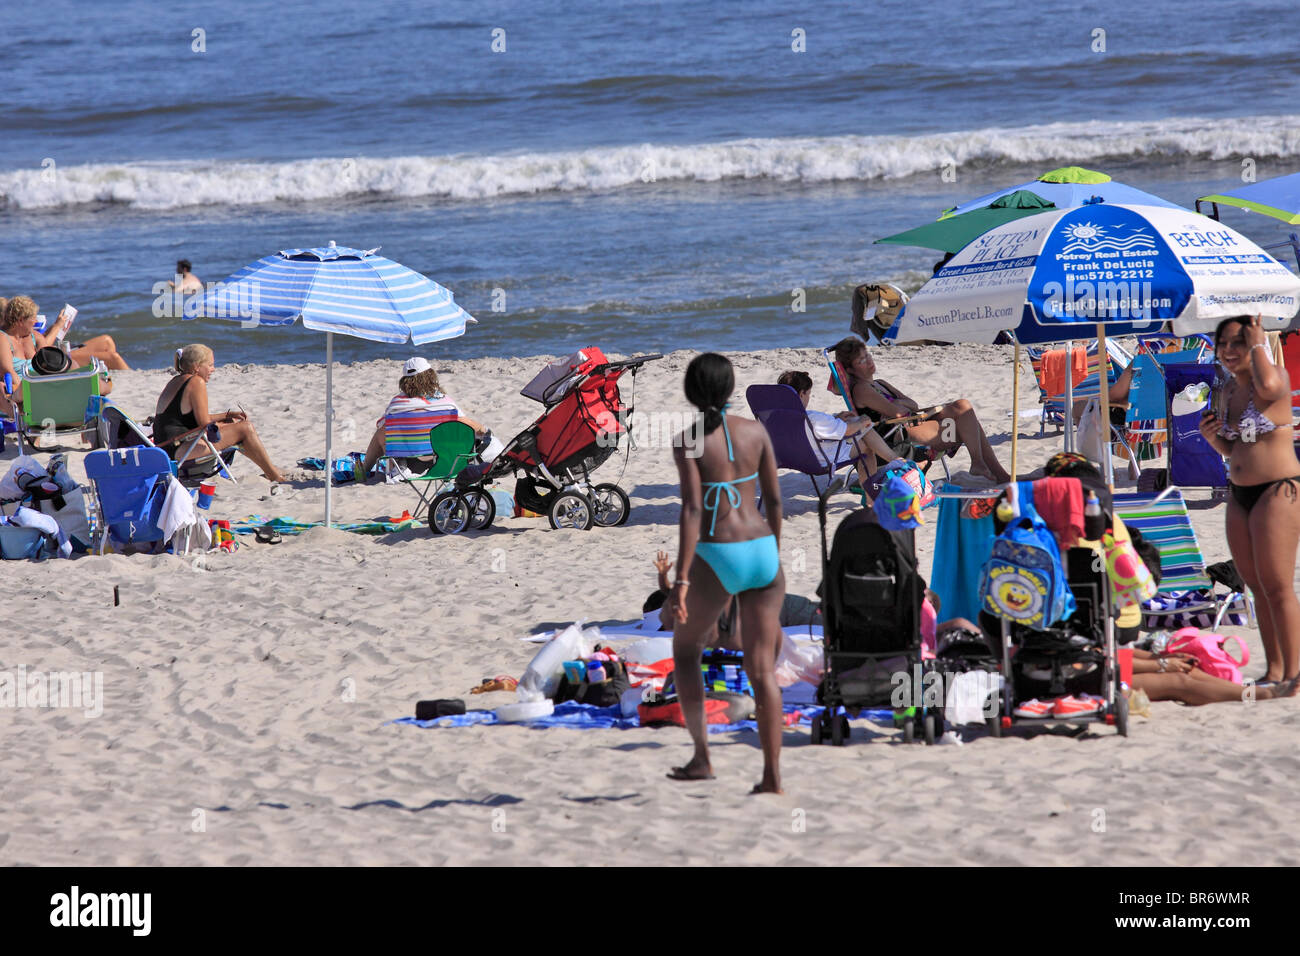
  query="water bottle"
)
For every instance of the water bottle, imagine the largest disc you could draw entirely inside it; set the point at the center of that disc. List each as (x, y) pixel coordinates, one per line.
(1093, 521)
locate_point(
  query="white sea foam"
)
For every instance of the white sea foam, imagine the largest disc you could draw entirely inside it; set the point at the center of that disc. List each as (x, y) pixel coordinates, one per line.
(153, 185)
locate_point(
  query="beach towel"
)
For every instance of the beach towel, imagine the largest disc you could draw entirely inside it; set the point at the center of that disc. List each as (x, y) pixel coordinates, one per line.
(961, 547)
(586, 717)
(287, 526)
(1059, 501)
(1054, 363)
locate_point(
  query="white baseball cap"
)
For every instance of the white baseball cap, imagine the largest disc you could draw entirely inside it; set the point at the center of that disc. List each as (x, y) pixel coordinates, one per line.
(415, 365)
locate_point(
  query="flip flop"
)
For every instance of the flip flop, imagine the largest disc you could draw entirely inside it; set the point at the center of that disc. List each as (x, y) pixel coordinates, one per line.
(267, 534)
(679, 773)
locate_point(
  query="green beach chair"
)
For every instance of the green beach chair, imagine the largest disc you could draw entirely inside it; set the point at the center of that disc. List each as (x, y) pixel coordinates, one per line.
(447, 451)
(56, 407)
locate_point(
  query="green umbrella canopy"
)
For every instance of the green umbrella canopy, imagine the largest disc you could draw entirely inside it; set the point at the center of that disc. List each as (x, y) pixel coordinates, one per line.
(956, 232)
(1074, 174)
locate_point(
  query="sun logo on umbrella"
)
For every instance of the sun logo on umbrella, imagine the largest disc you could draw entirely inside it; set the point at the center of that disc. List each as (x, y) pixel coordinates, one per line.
(1085, 231)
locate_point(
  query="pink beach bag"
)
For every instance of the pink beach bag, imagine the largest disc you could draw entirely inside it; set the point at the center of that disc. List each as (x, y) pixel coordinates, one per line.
(1210, 653)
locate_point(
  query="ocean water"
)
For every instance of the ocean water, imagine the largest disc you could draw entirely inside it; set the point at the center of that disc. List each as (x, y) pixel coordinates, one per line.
(631, 175)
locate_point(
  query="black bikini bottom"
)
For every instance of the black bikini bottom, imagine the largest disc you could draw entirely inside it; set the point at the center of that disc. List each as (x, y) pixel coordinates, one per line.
(1248, 495)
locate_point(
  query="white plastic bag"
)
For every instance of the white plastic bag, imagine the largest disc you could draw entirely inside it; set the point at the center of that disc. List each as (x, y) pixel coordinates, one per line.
(542, 676)
(799, 661)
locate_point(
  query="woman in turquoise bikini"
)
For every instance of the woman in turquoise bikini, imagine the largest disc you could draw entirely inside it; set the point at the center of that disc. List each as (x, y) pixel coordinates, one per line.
(1250, 425)
(738, 552)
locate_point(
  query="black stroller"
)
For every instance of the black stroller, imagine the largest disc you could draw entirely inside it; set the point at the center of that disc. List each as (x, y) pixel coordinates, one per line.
(871, 600)
(1076, 656)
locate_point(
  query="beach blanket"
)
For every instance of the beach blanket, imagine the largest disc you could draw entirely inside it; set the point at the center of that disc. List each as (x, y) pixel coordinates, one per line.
(286, 526)
(586, 717)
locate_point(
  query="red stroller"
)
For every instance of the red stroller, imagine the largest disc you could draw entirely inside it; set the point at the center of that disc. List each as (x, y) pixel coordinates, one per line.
(584, 421)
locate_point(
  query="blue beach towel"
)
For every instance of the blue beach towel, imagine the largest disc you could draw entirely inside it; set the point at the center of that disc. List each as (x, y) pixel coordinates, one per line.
(961, 547)
(586, 717)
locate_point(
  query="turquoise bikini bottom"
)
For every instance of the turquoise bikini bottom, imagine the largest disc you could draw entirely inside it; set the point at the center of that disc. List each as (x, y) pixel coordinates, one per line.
(742, 565)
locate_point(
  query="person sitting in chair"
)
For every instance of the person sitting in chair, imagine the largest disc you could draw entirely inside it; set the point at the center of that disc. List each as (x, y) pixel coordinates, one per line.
(830, 431)
(420, 391)
(879, 400)
(183, 409)
(20, 343)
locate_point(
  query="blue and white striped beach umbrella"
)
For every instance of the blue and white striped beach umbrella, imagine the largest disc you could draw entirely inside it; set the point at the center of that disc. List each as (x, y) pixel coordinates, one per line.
(335, 289)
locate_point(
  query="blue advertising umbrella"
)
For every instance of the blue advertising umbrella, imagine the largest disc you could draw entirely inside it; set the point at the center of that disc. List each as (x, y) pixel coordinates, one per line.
(1113, 269)
(335, 289)
(1054, 276)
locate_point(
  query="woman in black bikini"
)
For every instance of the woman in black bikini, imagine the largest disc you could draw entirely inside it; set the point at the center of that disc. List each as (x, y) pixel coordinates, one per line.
(878, 399)
(1249, 423)
(183, 407)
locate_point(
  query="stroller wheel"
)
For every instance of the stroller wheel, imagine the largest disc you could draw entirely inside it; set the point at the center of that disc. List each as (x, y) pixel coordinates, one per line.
(572, 510)
(839, 730)
(928, 728)
(449, 513)
(482, 508)
(909, 731)
(817, 729)
(1121, 714)
(612, 505)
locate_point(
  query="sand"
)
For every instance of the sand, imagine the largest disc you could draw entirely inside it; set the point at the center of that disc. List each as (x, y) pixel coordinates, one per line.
(246, 697)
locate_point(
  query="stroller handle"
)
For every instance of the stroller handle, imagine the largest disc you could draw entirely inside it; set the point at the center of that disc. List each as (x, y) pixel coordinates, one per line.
(635, 360)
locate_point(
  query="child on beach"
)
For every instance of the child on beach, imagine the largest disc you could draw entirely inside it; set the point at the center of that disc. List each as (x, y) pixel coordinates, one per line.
(738, 554)
(832, 430)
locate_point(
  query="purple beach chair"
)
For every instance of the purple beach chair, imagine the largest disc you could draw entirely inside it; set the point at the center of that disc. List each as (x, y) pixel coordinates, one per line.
(782, 414)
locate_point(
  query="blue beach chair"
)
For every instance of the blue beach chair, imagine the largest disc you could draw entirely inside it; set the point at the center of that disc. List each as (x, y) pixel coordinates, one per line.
(130, 486)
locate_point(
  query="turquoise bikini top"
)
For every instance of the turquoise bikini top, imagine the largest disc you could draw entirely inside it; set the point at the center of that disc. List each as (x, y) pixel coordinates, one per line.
(713, 489)
(22, 366)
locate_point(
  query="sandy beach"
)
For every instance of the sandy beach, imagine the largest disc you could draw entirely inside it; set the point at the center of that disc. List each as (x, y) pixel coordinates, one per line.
(246, 696)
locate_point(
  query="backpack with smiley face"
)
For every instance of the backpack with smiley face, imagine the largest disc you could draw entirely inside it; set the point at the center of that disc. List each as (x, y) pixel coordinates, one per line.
(1023, 581)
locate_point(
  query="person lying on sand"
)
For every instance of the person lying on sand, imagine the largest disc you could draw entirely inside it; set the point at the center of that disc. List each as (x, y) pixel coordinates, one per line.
(183, 407)
(953, 425)
(796, 610)
(420, 390)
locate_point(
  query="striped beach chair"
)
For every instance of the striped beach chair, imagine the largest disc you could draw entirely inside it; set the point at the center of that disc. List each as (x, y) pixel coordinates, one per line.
(1053, 411)
(1188, 596)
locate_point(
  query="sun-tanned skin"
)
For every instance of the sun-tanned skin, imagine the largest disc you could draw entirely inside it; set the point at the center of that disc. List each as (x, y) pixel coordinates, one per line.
(696, 605)
(1263, 541)
(930, 431)
(235, 427)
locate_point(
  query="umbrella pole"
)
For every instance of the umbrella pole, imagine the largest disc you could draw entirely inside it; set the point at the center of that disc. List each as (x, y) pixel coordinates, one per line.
(1015, 413)
(329, 422)
(1069, 396)
(1103, 382)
